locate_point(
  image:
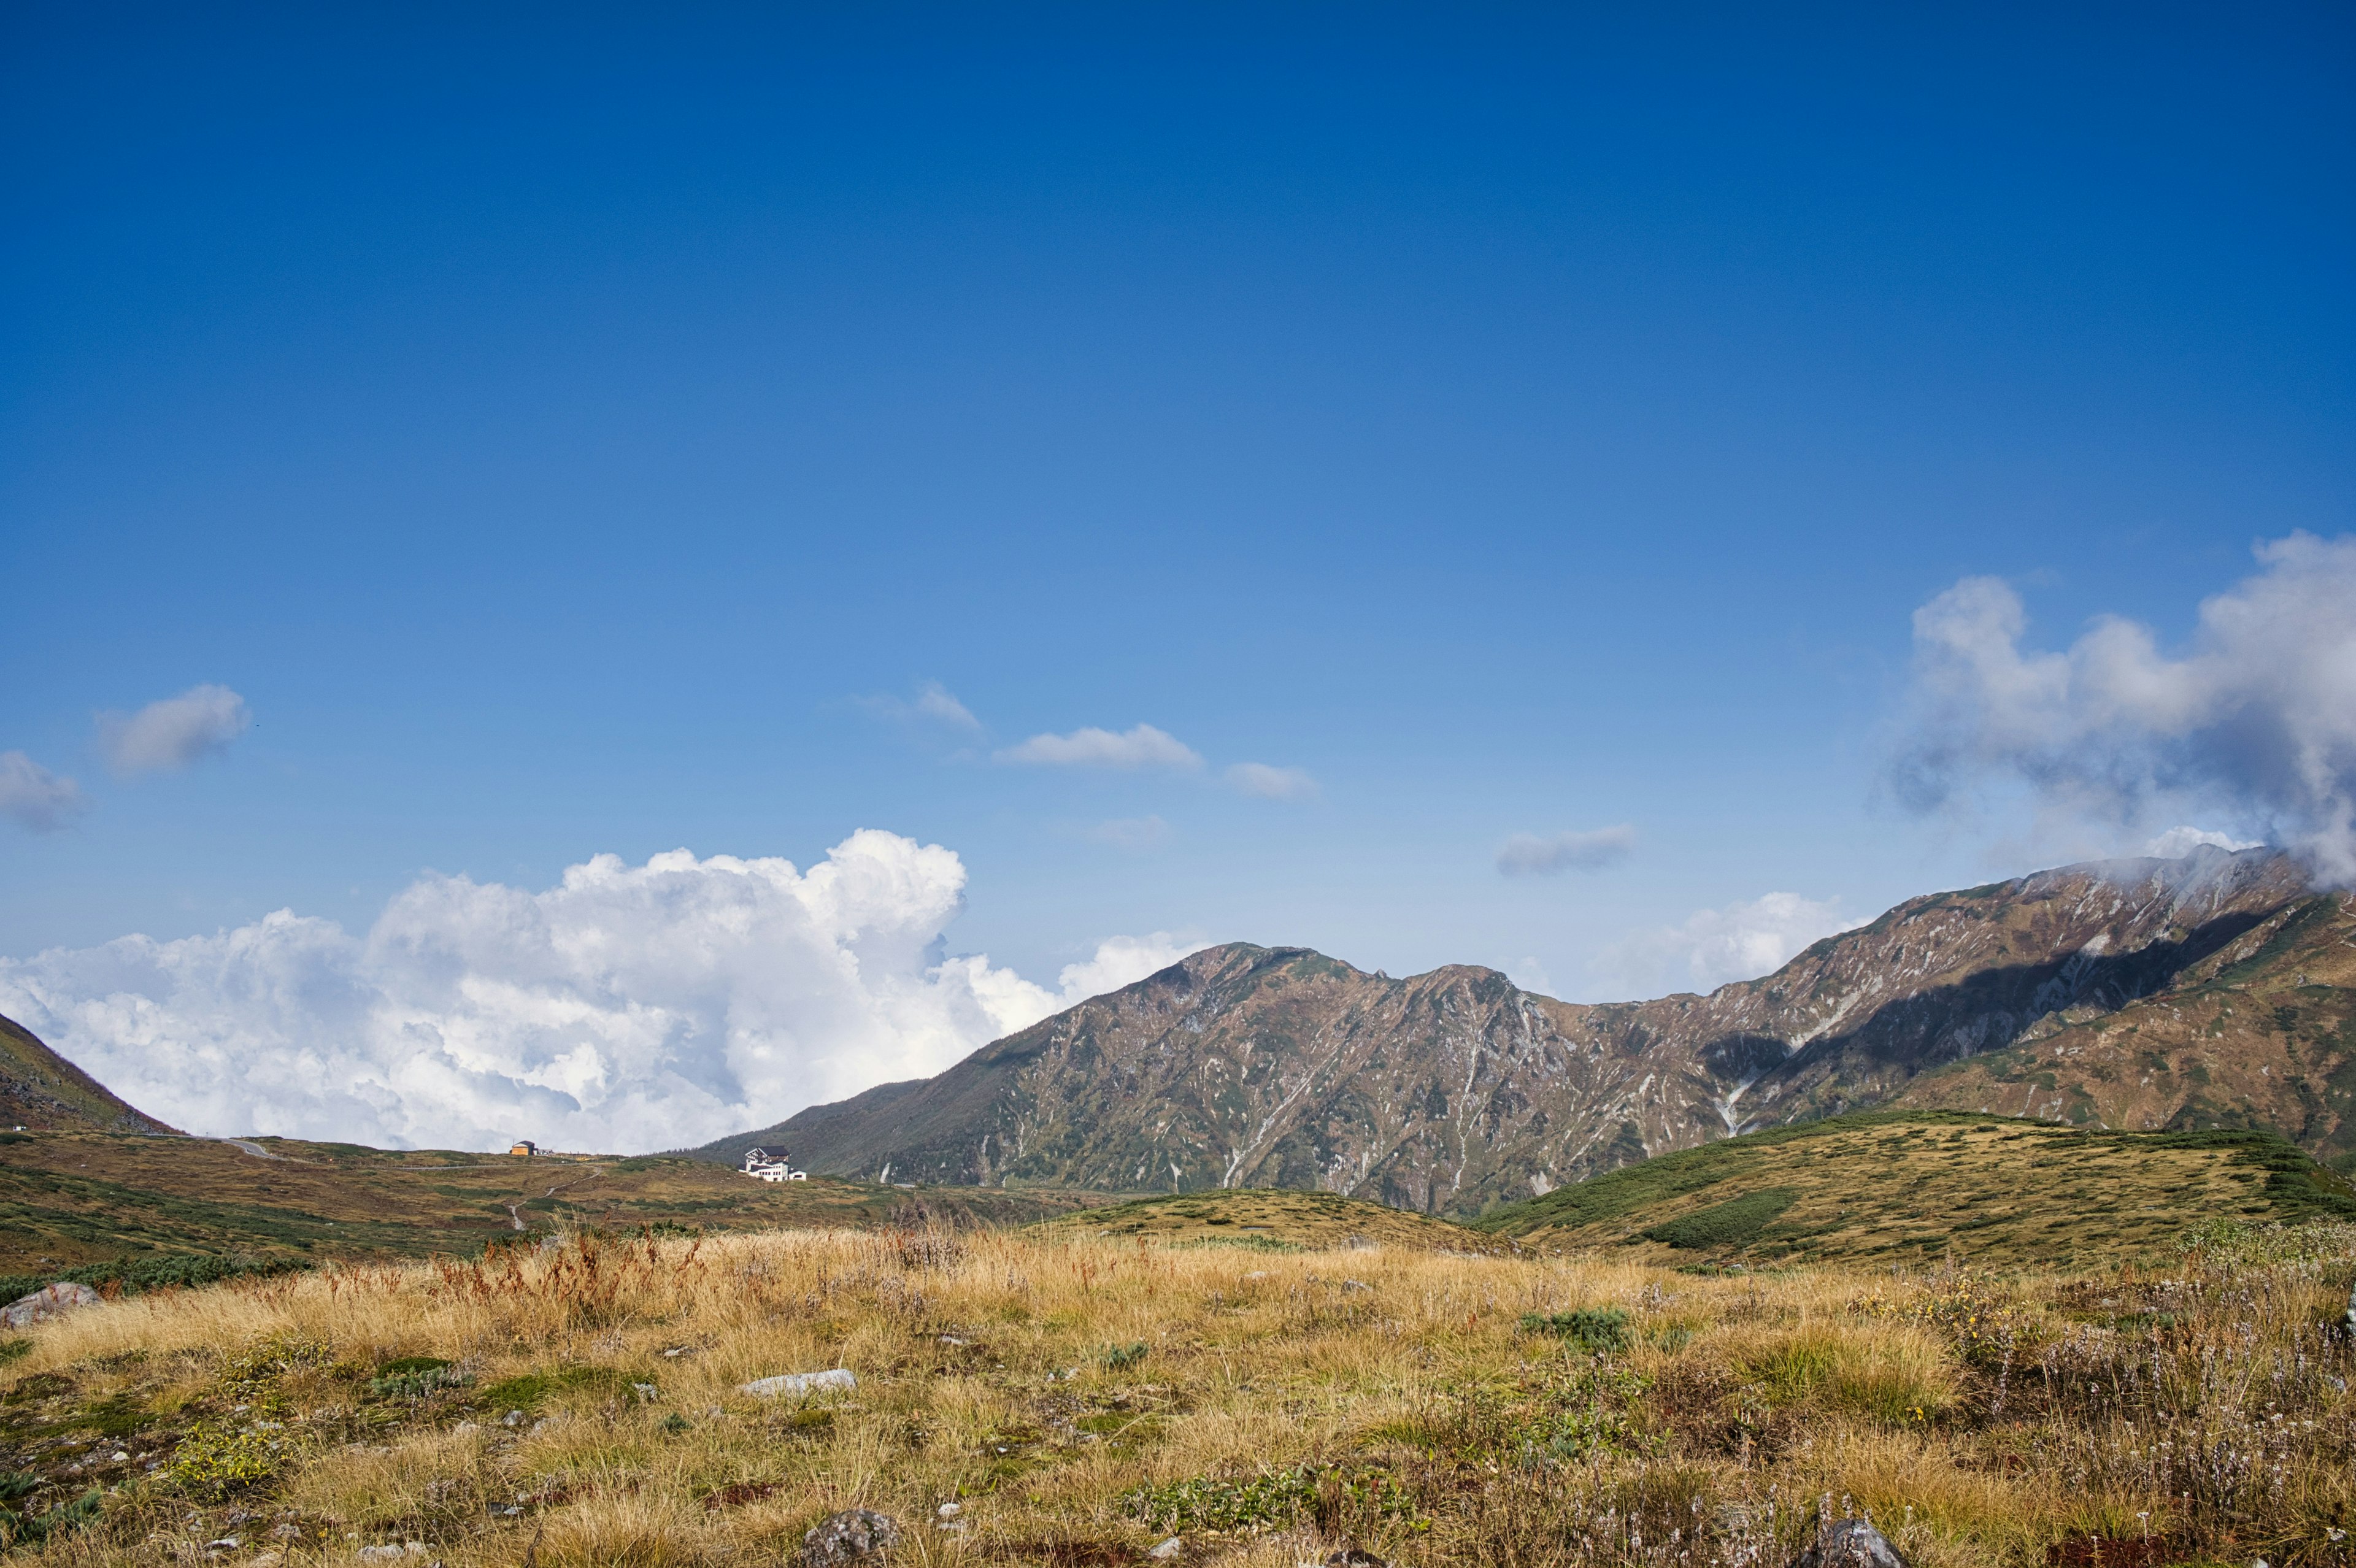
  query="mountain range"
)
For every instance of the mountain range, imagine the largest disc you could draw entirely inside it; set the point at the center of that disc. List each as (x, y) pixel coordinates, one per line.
(2216, 990)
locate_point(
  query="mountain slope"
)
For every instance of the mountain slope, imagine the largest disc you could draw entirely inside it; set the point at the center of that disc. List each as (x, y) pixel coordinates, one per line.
(2259, 1034)
(41, 1090)
(1888, 1186)
(1453, 1090)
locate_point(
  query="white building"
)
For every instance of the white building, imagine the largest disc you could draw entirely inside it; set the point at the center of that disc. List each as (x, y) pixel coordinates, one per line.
(763, 1166)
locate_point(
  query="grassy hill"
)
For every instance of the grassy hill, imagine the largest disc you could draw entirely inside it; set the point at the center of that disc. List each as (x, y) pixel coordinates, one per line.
(41, 1089)
(68, 1201)
(1269, 1220)
(1893, 1186)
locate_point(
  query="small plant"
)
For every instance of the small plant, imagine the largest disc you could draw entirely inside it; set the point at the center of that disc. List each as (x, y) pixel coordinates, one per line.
(18, 1528)
(1121, 1356)
(1602, 1331)
(414, 1377)
(215, 1459)
(674, 1424)
(1273, 1496)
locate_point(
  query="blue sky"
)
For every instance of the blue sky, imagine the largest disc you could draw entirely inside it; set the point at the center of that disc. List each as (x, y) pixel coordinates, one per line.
(561, 429)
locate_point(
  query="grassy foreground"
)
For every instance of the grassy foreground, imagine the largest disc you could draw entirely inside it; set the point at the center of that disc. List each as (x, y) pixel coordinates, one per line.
(1081, 1397)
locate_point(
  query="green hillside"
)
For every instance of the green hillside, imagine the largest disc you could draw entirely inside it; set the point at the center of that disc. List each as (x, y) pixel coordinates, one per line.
(1908, 1185)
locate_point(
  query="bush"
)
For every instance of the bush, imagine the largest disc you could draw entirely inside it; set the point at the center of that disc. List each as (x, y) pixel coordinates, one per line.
(1601, 1329)
(131, 1277)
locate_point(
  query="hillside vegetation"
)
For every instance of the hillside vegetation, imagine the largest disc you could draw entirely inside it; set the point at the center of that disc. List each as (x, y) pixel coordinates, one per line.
(1915, 1187)
(1269, 1220)
(39, 1089)
(102, 1204)
(1067, 1400)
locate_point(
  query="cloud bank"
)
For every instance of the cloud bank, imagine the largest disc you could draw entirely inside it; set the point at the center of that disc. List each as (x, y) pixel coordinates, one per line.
(628, 1008)
(32, 797)
(2256, 719)
(1717, 946)
(174, 733)
(1536, 855)
(1142, 747)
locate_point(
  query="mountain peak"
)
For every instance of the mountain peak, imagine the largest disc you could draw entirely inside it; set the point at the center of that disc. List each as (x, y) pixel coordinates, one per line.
(1251, 1065)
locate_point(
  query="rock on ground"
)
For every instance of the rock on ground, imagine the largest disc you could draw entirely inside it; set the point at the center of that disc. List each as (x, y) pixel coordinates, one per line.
(1849, 1543)
(45, 1303)
(854, 1535)
(799, 1385)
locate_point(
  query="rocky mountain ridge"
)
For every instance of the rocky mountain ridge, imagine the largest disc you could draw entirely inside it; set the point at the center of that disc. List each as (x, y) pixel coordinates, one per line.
(1450, 1091)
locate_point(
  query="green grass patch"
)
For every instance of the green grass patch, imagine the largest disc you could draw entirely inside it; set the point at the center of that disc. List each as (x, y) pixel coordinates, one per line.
(1730, 1223)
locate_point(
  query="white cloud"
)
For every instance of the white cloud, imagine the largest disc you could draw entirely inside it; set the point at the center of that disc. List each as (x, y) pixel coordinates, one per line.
(1129, 832)
(932, 700)
(36, 797)
(2179, 842)
(1714, 946)
(628, 1008)
(1123, 961)
(1270, 783)
(2256, 720)
(174, 733)
(1531, 854)
(1142, 747)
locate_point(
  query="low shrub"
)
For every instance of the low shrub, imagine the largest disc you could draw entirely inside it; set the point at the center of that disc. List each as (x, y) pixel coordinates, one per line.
(1601, 1329)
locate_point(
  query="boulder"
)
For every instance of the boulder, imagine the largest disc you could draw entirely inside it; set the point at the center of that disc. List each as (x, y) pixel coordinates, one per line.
(1849, 1543)
(800, 1385)
(854, 1535)
(50, 1301)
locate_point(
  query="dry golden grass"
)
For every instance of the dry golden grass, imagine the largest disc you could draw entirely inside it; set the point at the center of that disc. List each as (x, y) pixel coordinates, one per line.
(1076, 1395)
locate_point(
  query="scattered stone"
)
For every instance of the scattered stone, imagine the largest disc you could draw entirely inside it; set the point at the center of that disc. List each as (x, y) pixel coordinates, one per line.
(1352, 1557)
(801, 1385)
(121, 1457)
(1168, 1548)
(1355, 1284)
(512, 1418)
(466, 1426)
(50, 1301)
(226, 1544)
(854, 1535)
(953, 1339)
(1849, 1543)
(1257, 1274)
(382, 1554)
(2352, 1309)
(647, 1392)
(950, 1511)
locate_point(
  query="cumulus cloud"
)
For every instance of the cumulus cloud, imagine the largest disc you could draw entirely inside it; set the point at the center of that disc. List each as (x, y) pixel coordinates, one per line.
(933, 701)
(1547, 855)
(2179, 842)
(628, 1008)
(174, 733)
(2256, 720)
(34, 797)
(1123, 961)
(1142, 747)
(1717, 946)
(1129, 832)
(1267, 782)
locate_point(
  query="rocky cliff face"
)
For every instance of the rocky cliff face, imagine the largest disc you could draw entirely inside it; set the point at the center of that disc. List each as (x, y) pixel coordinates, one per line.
(1447, 1092)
